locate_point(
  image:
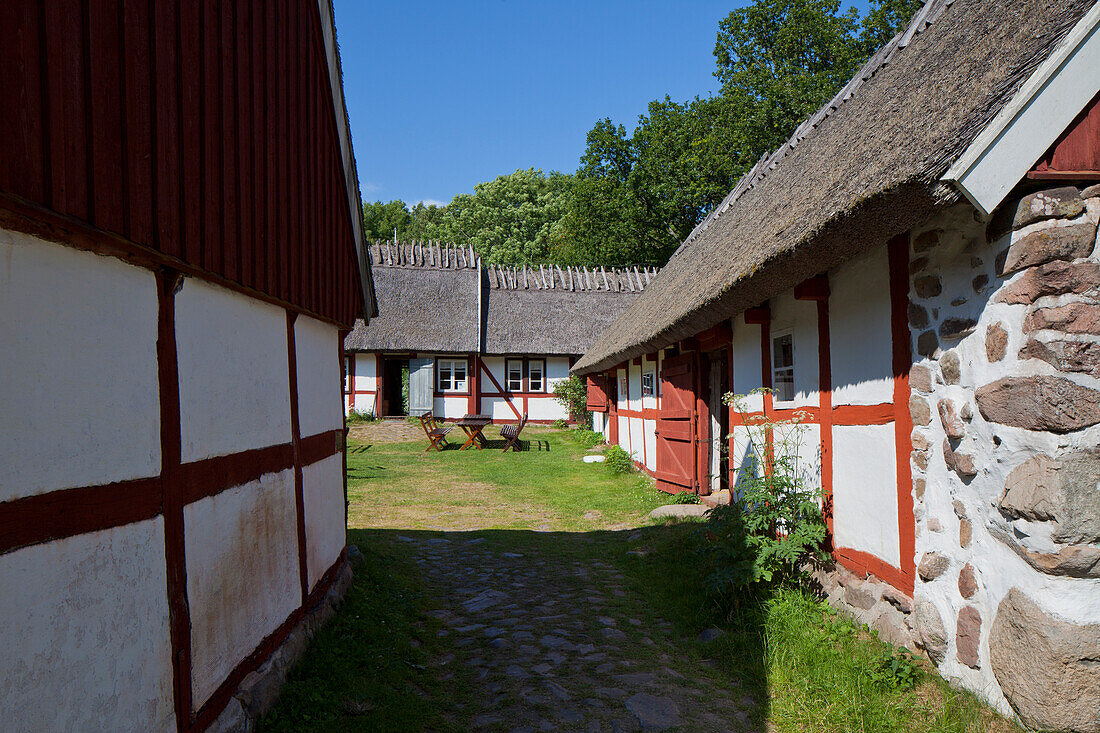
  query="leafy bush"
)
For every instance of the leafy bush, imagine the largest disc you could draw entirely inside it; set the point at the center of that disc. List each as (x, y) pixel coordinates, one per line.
(775, 524)
(572, 394)
(405, 389)
(896, 669)
(685, 497)
(358, 416)
(587, 438)
(617, 460)
(560, 424)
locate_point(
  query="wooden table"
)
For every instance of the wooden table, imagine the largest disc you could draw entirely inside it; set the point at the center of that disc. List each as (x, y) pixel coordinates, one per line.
(472, 425)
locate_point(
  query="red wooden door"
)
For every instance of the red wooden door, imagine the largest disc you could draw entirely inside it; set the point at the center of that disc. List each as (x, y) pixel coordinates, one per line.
(676, 464)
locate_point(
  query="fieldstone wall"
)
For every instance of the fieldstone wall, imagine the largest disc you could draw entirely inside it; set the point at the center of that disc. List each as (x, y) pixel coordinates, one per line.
(869, 601)
(1005, 399)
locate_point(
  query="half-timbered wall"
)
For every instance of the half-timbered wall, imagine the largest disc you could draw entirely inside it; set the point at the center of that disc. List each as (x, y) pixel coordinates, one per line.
(486, 391)
(361, 387)
(201, 135)
(173, 497)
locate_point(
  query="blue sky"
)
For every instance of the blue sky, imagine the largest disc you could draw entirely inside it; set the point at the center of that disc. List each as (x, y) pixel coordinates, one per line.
(443, 95)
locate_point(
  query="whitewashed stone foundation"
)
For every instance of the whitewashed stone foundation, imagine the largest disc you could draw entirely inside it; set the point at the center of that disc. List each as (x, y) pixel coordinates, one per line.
(1006, 407)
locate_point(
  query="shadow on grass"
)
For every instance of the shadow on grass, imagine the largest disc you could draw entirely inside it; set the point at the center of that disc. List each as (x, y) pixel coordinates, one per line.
(374, 667)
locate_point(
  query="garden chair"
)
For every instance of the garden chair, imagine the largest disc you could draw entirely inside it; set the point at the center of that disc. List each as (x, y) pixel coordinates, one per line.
(437, 434)
(510, 433)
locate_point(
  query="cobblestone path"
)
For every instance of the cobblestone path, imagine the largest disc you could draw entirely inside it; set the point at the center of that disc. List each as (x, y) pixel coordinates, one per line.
(559, 644)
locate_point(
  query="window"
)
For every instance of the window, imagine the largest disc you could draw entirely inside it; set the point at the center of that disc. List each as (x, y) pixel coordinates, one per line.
(535, 376)
(514, 369)
(451, 375)
(649, 379)
(349, 375)
(783, 367)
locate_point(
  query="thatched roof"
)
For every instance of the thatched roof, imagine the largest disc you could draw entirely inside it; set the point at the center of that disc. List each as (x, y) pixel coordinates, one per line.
(440, 298)
(427, 300)
(861, 170)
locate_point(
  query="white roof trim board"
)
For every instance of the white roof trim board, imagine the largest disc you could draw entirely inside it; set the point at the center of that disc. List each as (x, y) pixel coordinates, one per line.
(1046, 104)
(926, 16)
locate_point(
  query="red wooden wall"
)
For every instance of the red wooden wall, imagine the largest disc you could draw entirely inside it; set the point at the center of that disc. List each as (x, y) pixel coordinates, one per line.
(202, 131)
(1075, 155)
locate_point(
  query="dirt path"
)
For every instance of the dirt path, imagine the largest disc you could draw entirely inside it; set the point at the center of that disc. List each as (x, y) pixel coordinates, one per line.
(549, 643)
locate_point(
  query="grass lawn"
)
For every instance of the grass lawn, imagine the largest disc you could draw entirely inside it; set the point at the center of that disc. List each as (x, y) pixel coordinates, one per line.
(402, 486)
(376, 667)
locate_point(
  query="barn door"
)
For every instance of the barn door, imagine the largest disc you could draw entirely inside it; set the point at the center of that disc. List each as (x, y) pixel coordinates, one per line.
(676, 425)
(421, 384)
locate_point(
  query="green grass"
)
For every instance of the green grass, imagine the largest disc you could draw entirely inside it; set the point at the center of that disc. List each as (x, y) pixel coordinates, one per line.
(819, 671)
(808, 669)
(367, 670)
(400, 485)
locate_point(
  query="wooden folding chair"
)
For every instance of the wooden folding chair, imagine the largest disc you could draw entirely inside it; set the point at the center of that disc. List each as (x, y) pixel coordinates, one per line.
(437, 436)
(510, 433)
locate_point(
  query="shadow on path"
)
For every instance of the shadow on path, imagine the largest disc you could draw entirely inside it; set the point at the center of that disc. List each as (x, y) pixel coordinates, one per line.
(596, 631)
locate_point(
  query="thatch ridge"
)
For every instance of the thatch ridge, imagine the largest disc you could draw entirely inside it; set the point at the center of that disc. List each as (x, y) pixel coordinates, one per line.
(439, 297)
(868, 171)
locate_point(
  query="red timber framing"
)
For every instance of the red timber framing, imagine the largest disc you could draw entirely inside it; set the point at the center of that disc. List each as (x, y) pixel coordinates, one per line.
(201, 137)
(70, 512)
(826, 415)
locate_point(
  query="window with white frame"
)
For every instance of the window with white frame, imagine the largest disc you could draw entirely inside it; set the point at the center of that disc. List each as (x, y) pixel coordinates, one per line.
(536, 375)
(451, 375)
(783, 367)
(649, 380)
(514, 375)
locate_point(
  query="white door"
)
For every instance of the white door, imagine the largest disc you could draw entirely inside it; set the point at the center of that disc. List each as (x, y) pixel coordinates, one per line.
(421, 385)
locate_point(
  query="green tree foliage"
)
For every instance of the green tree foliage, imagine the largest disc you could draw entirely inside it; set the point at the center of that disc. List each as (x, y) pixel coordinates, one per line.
(381, 219)
(779, 61)
(511, 219)
(636, 198)
(884, 20)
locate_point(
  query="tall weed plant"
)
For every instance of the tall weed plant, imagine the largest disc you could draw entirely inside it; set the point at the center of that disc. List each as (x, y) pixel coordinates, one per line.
(773, 524)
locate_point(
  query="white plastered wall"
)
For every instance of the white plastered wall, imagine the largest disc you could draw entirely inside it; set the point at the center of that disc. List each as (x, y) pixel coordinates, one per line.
(859, 331)
(451, 407)
(365, 380)
(746, 363)
(317, 361)
(242, 573)
(546, 408)
(323, 496)
(78, 334)
(865, 497)
(233, 372)
(86, 643)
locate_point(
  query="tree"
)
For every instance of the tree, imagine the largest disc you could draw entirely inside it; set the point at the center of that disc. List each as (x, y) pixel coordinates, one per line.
(884, 20)
(779, 61)
(636, 198)
(512, 219)
(381, 219)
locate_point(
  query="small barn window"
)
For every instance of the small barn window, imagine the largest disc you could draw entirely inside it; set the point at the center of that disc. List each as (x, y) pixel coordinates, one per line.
(649, 380)
(536, 371)
(451, 375)
(515, 375)
(783, 367)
